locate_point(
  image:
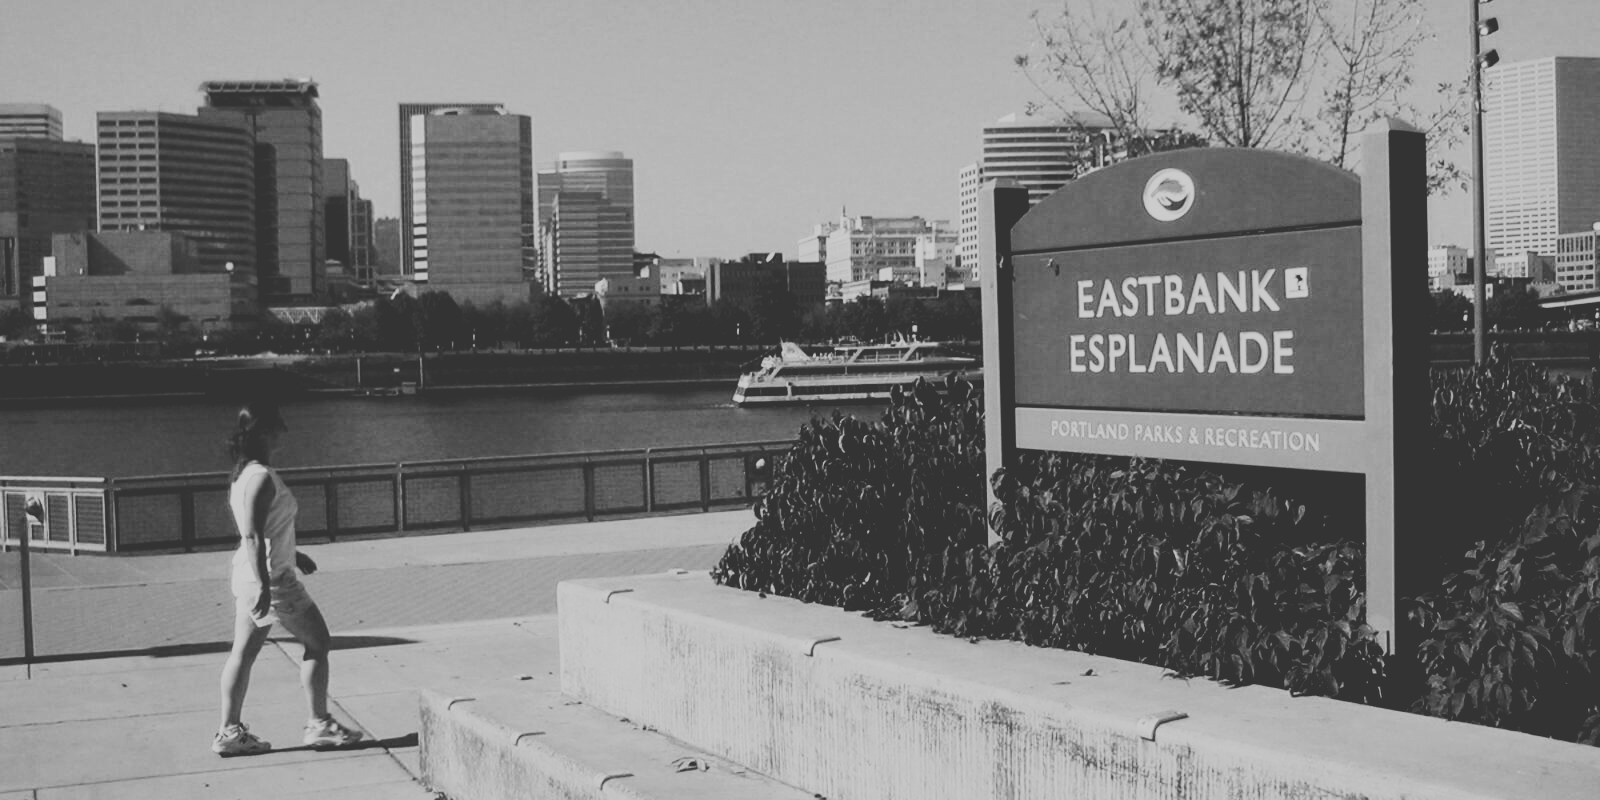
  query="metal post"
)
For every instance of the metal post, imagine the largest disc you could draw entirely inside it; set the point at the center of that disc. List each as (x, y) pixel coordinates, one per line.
(649, 483)
(27, 599)
(1481, 264)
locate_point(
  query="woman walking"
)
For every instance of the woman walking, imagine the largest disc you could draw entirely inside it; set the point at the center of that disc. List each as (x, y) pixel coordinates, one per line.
(267, 590)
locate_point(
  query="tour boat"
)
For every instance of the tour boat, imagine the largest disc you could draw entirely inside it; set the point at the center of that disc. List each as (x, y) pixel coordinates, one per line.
(848, 373)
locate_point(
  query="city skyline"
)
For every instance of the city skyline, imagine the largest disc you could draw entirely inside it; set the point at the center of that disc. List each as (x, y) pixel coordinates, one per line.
(749, 123)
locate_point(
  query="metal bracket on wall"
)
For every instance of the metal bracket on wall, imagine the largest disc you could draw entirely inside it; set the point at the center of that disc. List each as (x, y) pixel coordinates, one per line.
(809, 646)
(610, 776)
(1148, 724)
(455, 700)
(521, 736)
(615, 592)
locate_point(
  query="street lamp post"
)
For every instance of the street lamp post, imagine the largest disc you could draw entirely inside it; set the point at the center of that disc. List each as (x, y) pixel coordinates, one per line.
(1481, 60)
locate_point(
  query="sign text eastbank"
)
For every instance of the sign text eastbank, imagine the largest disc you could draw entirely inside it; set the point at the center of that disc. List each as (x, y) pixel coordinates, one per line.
(1242, 351)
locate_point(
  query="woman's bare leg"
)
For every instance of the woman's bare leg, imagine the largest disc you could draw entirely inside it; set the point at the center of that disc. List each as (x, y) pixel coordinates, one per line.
(247, 641)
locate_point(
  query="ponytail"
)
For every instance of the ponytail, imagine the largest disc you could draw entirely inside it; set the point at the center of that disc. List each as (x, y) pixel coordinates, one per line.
(248, 441)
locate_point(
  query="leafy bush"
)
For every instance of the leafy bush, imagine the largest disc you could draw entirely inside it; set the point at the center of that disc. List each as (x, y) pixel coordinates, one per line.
(1245, 575)
(853, 505)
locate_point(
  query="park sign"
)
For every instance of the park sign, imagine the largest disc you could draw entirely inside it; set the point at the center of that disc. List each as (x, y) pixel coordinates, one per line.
(1220, 305)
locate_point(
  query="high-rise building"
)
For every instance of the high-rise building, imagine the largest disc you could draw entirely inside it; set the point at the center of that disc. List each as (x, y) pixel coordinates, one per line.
(1043, 154)
(410, 155)
(46, 187)
(472, 203)
(386, 245)
(860, 248)
(283, 118)
(190, 174)
(1541, 158)
(968, 181)
(347, 218)
(29, 121)
(586, 220)
(1040, 154)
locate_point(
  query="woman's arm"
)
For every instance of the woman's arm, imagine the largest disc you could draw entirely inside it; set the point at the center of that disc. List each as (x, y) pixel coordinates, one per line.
(258, 494)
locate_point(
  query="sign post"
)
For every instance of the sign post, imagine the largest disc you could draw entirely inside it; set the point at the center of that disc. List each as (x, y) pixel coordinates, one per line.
(1226, 306)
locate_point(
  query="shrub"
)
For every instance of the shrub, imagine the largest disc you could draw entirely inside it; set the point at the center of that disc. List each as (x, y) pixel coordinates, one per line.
(1245, 575)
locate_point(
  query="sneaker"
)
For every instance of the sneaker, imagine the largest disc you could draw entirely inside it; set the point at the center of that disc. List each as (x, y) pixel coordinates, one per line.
(235, 740)
(329, 733)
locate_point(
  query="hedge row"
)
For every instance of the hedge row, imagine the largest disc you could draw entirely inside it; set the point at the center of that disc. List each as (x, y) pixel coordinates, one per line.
(1245, 575)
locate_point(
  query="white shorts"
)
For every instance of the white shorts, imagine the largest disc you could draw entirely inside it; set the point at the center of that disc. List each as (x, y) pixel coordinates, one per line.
(290, 600)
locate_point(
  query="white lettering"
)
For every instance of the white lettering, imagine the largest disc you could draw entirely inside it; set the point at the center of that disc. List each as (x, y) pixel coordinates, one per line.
(1259, 296)
(1084, 299)
(1173, 288)
(1246, 339)
(1228, 289)
(1201, 294)
(1281, 352)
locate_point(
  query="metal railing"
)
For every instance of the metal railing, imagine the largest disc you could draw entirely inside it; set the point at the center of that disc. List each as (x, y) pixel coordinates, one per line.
(170, 512)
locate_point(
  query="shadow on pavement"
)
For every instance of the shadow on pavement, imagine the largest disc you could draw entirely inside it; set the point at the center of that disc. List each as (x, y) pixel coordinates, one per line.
(391, 743)
(199, 648)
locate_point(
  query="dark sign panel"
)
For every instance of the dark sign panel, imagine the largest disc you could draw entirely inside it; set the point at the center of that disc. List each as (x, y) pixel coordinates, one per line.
(1258, 324)
(1212, 281)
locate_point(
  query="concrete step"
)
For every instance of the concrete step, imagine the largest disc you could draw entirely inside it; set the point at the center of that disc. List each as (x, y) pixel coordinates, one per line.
(544, 744)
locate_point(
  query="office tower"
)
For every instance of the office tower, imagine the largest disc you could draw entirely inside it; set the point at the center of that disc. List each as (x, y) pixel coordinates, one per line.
(347, 219)
(386, 245)
(586, 220)
(283, 118)
(747, 280)
(190, 174)
(1541, 158)
(472, 206)
(968, 181)
(860, 248)
(29, 121)
(46, 187)
(1043, 154)
(409, 155)
(1040, 154)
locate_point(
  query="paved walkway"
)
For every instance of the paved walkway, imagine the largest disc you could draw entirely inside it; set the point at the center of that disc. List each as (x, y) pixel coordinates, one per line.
(457, 613)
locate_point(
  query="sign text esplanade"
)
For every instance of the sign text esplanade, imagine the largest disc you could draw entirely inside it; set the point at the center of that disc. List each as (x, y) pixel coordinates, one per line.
(1222, 305)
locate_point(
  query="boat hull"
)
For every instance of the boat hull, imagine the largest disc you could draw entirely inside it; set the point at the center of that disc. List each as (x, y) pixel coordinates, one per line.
(780, 391)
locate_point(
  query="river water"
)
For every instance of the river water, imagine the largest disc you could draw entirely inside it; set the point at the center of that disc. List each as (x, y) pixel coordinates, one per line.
(168, 437)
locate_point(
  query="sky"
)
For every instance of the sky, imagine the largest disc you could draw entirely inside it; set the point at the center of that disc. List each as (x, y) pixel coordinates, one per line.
(748, 121)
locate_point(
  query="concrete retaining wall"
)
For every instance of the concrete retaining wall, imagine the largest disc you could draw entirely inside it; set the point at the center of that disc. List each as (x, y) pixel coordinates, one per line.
(851, 708)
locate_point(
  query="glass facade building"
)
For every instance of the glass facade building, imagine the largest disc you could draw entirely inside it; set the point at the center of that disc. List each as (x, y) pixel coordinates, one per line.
(190, 174)
(470, 202)
(285, 124)
(1541, 157)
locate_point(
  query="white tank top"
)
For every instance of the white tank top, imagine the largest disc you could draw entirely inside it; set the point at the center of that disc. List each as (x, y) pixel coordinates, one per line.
(278, 534)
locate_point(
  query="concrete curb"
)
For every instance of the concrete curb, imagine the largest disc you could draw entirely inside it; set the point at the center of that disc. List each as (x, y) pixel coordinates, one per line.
(529, 744)
(849, 707)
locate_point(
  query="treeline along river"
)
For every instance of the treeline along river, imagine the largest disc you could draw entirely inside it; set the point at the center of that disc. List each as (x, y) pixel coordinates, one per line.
(154, 436)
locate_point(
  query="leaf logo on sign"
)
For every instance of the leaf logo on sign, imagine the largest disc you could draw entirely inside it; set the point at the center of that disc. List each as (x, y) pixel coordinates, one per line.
(1169, 194)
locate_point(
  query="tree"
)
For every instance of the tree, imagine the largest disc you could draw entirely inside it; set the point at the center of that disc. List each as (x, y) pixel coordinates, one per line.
(1300, 75)
(628, 322)
(15, 323)
(1451, 312)
(552, 322)
(1101, 60)
(1239, 67)
(1513, 307)
(442, 323)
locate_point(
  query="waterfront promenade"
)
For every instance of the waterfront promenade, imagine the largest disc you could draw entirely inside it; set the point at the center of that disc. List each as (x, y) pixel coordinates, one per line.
(130, 713)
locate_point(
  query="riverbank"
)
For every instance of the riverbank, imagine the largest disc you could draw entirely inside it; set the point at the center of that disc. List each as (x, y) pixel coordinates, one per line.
(369, 374)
